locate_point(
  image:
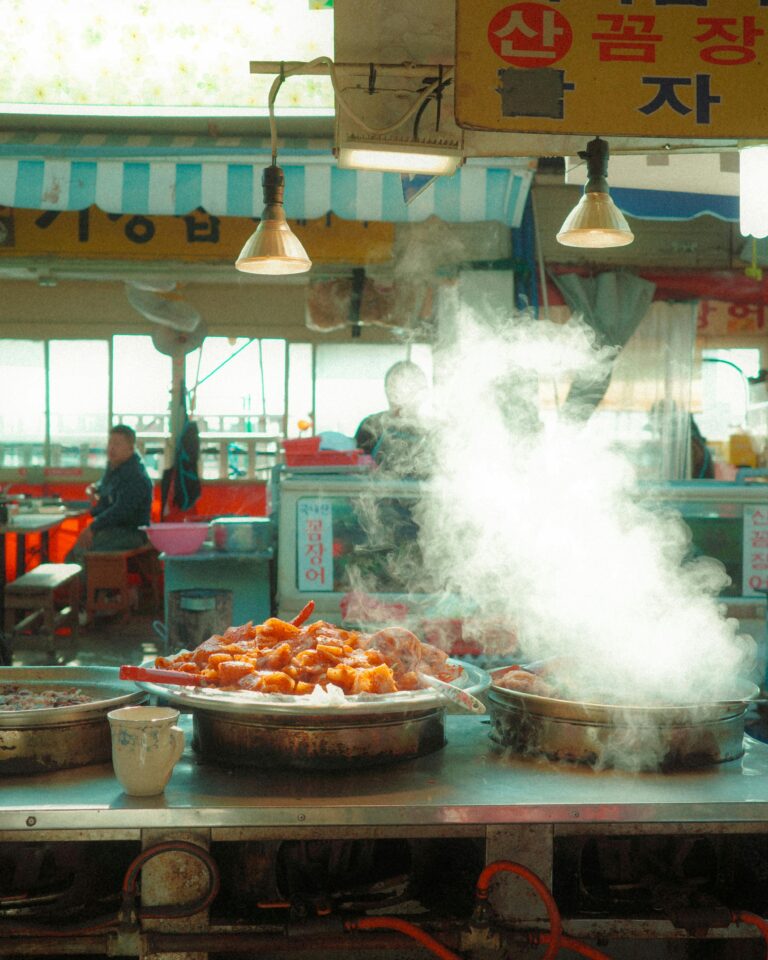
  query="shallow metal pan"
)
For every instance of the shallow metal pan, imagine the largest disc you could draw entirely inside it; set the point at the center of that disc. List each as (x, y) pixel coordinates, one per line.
(642, 738)
(743, 692)
(58, 738)
(472, 679)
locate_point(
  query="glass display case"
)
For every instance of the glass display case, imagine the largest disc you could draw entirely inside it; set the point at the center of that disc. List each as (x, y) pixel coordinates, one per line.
(350, 542)
(728, 521)
(725, 520)
(344, 533)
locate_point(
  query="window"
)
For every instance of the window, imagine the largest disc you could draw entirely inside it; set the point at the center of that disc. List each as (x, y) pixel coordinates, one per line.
(245, 394)
(78, 372)
(300, 399)
(237, 390)
(22, 403)
(238, 385)
(141, 394)
(350, 380)
(725, 394)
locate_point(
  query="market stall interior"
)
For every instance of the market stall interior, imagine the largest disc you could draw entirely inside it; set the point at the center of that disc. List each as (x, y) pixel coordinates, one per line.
(473, 666)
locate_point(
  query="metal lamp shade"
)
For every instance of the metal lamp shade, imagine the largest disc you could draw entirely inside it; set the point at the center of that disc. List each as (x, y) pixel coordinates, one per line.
(273, 248)
(595, 221)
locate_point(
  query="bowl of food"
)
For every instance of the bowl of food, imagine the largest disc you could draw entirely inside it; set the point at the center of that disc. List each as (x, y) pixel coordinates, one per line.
(177, 538)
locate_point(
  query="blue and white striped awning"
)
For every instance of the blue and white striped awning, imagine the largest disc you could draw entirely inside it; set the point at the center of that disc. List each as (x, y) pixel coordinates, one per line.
(174, 175)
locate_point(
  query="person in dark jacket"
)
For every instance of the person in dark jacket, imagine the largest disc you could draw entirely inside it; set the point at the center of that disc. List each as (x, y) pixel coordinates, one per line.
(396, 438)
(124, 500)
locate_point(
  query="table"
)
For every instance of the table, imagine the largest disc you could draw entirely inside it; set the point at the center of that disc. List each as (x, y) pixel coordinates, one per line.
(21, 526)
(467, 783)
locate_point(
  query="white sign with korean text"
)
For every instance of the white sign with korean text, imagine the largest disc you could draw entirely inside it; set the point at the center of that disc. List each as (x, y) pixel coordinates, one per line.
(314, 544)
(755, 578)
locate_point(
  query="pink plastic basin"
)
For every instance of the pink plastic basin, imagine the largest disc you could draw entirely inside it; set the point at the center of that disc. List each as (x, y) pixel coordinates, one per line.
(177, 538)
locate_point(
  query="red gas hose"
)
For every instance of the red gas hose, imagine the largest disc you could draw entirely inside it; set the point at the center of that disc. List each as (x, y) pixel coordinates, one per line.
(742, 916)
(578, 946)
(554, 937)
(175, 846)
(403, 926)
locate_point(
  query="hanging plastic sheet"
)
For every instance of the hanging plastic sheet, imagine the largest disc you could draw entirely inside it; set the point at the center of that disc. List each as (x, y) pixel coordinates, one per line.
(612, 304)
(180, 486)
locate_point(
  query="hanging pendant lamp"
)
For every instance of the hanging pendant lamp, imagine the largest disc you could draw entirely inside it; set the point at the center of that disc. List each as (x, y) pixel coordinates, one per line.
(595, 221)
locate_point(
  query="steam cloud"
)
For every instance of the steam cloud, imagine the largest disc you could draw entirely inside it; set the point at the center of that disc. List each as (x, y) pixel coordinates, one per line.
(539, 523)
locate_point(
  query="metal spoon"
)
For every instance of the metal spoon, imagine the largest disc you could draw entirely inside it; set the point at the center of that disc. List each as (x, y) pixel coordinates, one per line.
(456, 695)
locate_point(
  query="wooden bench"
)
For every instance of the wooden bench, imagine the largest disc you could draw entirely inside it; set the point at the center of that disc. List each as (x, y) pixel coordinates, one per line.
(33, 595)
(108, 587)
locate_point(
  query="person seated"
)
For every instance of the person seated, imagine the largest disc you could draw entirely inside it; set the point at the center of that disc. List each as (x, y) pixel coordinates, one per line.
(124, 500)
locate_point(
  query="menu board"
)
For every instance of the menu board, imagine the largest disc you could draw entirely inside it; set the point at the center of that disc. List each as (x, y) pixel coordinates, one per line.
(314, 544)
(755, 582)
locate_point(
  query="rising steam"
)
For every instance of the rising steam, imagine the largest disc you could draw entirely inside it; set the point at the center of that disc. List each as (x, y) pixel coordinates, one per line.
(539, 522)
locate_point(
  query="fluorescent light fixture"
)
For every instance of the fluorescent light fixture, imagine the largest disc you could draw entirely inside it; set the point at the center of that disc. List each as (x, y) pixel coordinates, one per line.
(273, 249)
(399, 157)
(595, 221)
(753, 195)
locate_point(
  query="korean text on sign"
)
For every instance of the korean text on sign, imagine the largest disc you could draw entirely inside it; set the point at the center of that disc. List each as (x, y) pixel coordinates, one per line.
(755, 550)
(676, 68)
(314, 544)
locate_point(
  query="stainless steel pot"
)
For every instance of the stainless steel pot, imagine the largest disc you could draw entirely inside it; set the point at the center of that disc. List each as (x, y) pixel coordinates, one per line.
(40, 741)
(250, 729)
(317, 742)
(626, 737)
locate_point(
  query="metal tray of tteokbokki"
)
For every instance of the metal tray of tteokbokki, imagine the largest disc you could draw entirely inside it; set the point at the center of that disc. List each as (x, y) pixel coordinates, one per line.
(283, 668)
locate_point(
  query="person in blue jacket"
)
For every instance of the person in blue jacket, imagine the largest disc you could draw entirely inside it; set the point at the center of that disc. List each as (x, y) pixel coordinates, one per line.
(124, 500)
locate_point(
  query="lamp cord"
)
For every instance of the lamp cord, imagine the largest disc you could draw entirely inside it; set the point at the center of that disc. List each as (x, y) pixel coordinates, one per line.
(440, 83)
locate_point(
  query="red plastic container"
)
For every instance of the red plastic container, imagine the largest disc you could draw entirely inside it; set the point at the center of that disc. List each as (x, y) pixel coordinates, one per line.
(306, 452)
(301, 445)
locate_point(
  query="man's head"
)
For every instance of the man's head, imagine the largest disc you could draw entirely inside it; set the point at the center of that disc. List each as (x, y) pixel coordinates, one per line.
(405, 384)
(121, 444)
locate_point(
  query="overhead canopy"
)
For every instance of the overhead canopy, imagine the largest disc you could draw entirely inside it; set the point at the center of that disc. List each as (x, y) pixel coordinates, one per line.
(174, 175)
(673, 186)
(674, 204)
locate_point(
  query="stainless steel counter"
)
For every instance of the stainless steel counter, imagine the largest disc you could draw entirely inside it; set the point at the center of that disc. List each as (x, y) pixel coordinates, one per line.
(466, 783)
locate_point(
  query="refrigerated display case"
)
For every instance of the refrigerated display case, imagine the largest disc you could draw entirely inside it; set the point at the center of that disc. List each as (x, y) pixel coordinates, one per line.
(339, 533)
(727, 521)
(350, 543)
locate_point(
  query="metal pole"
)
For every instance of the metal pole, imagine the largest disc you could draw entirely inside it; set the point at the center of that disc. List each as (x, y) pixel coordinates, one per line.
(323, 69)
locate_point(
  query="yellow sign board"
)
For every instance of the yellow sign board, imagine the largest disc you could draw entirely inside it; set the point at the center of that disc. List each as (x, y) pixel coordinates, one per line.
(95, 235)
(634, 68)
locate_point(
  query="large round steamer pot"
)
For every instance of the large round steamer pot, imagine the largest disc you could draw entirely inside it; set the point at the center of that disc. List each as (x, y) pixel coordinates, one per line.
(41, 741)
(292, 733)
(655, 738)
